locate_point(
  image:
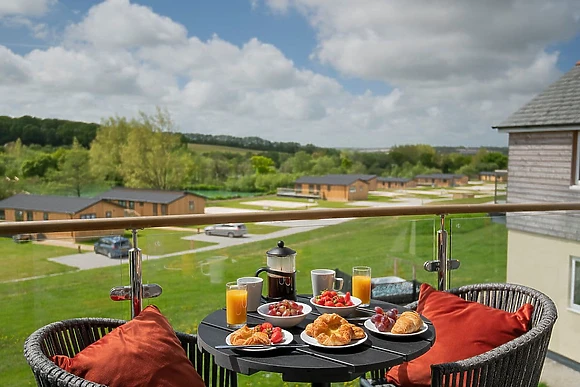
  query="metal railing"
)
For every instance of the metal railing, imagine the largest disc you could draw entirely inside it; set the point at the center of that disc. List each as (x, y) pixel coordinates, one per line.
(136, 290)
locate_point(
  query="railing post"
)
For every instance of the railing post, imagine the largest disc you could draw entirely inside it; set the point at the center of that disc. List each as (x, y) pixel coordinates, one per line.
(135, 277)
(136, 291)
(442, 278)
(442, 265)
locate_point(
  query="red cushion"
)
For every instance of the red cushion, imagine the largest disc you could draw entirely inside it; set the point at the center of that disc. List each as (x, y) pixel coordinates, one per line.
(142, 352)
(463, 329)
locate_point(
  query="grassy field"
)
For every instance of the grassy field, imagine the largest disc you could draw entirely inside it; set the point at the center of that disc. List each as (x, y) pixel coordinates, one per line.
(238, 203)
(206, 148)
(160, 241)
(23, 260)
(189, 294)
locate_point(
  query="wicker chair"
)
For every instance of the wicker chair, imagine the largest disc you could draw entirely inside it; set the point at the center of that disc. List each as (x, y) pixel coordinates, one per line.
(518, 362)
(70, 336)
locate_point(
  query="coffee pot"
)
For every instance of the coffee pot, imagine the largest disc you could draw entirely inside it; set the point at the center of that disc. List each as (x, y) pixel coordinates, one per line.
(281, 271)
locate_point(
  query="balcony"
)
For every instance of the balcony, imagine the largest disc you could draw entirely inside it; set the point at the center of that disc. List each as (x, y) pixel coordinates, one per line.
(54, 278)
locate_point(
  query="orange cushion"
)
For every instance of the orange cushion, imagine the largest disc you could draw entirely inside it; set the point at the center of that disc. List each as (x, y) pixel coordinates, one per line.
(463, 329)
(142, 352)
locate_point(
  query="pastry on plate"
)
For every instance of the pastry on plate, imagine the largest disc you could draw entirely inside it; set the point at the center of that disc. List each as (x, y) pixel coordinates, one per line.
(333, 330)
(407, 322)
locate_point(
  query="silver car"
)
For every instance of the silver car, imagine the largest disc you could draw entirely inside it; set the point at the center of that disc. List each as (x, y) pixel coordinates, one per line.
(227, 229)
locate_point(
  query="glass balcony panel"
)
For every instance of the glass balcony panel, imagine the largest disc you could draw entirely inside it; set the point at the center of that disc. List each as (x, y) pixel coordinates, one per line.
(47, 278)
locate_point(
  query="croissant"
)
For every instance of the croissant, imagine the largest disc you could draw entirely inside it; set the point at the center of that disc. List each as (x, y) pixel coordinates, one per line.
(408, 322)
(331, 329)
(249, 336)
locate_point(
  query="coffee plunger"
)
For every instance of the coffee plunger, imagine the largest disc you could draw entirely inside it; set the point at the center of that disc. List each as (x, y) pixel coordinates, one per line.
(281, 271)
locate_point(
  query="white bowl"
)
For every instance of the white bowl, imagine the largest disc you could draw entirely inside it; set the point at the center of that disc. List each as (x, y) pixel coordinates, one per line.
(284, 321)
(339, 310)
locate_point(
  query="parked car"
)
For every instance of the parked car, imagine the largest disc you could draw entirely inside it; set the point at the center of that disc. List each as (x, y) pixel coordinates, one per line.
(227, 229)
(20, 238)
(113, 247)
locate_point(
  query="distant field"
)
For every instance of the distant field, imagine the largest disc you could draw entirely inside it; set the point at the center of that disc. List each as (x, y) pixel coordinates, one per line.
(225, 194)
(218, 148)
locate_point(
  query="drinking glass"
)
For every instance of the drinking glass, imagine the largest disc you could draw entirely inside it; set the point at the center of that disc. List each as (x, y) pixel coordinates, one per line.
(236, 301)
(361, 284)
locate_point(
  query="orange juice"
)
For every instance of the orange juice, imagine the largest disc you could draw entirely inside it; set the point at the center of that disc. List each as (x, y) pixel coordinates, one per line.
(236, 307)
(361, 288)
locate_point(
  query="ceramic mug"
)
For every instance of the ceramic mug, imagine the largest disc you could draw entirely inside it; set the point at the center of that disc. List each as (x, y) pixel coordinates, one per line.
(324, 279)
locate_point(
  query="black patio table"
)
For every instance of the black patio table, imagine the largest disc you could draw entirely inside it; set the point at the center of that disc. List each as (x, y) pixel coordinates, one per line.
(315, 365)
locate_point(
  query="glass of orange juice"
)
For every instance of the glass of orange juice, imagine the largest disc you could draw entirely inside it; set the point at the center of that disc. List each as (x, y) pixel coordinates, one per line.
(236, 301)
(361, 284)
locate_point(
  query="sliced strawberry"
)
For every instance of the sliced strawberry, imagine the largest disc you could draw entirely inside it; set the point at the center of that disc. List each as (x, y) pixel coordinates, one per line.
(277, 337)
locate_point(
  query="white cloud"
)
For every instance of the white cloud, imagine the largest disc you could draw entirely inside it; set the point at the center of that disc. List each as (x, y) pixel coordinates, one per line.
(120, 24)
(32, 8)
(451, 76)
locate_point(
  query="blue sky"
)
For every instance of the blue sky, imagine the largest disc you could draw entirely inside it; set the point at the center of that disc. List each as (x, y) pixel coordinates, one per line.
(333, 73)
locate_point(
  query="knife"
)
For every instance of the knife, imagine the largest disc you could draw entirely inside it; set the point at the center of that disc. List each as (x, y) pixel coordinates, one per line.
(259, 346)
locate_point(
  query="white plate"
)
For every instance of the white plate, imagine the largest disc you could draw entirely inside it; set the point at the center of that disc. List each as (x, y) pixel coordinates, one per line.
(371, 327)
(288, 337)
(312, 341)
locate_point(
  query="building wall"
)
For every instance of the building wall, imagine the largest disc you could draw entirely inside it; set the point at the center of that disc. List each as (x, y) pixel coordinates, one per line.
(361, 192)
(540, 170)
(441, 182)
(385, 185)
(181, 205)
(177, 207)
(543, 263)
(98, 209)
(372, 184)
(492, 178)
(334, 193)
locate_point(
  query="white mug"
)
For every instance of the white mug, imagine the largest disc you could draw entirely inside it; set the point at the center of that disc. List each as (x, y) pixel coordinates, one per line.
(214, 268)
(324, 279)
(254, 288)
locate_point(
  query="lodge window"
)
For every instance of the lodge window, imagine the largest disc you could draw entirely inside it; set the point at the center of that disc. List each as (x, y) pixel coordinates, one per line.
(45, 216)
(2, 215)
(123, 203)
(154, 208)
(191, 205)
(140, 204)
(18, 215)
(328, 187)
(575, 284)
(88, 216)
(29, 215)
(108, 214)
(352, 189)
(310, 188)
(164, 209)
(132, 205)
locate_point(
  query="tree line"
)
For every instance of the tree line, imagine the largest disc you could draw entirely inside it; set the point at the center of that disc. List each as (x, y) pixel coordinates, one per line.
(148, 152)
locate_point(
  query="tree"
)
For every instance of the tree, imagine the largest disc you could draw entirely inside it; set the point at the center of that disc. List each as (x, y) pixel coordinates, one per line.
(262, 165)
(153, 156)
(39, 165)
(105, 153)
(73, 170)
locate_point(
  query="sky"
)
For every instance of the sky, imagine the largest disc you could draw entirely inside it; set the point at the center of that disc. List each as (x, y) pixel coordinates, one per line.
(333, 73)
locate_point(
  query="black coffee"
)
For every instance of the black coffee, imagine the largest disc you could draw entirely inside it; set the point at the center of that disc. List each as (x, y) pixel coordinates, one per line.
(281, 287)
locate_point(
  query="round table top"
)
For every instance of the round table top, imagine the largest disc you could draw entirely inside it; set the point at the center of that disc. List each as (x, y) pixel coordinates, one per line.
(313, 364)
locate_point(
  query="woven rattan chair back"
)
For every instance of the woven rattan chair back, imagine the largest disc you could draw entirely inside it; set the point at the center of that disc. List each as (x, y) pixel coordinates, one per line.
(518, 362)
(69, 337)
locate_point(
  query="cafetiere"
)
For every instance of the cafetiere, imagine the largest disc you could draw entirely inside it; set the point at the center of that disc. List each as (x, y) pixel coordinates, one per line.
(281, 271)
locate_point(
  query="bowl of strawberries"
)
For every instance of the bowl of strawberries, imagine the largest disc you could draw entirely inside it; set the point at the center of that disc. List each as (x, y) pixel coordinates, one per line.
(330, 301)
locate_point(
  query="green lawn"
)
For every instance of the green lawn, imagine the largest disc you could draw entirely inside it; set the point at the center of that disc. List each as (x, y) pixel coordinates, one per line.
(23, 260)
(161, 241)
(253, 228)
(189, 294)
